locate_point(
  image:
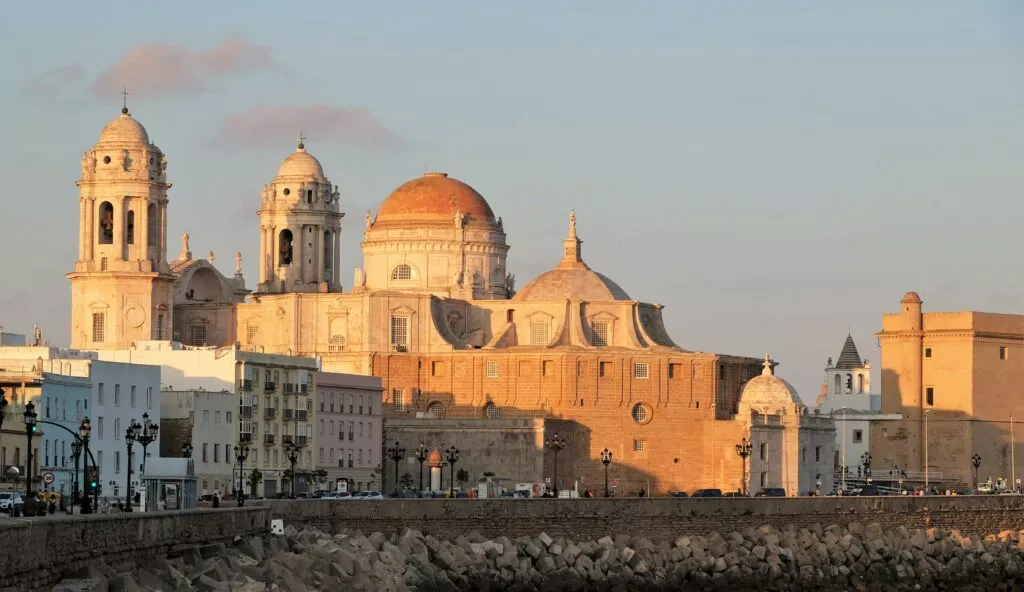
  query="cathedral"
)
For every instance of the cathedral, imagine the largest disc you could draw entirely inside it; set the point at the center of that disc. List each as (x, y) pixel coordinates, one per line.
(434, 311)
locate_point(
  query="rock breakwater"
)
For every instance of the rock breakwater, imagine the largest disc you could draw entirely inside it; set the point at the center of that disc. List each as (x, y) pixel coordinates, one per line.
(833, 558)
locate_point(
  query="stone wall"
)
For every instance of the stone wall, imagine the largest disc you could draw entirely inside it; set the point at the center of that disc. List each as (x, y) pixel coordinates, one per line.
(36, 553)
(659, 519)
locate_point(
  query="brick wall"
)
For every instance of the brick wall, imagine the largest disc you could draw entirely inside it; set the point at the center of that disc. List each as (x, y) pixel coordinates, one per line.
(657, 518)
(36, 553)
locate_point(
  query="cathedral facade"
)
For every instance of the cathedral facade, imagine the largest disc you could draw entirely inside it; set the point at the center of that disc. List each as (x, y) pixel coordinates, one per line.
(434, 311)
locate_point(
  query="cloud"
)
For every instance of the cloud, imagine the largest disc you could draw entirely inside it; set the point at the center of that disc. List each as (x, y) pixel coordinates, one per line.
(321, 123)
(161, 69)
(56, 84)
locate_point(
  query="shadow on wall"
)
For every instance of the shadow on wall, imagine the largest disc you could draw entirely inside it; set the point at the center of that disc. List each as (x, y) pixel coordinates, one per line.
(953, 438)
(508, 442)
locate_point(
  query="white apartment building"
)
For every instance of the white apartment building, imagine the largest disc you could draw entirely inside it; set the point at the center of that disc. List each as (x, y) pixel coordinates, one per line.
(274, 394)
(118, 394)
(349, 436)
(208, 421)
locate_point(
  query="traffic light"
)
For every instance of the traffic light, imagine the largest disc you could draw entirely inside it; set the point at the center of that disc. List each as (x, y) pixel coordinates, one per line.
(94, 478)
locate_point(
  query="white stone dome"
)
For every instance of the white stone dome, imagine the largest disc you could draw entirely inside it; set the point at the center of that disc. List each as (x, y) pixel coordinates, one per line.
(301, 164)
(768, 394)
(124, 130)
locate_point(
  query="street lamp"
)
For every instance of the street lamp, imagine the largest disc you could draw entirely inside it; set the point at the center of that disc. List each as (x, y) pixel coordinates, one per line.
(84, 430)
(421, 456)
(555, 443)
(292, 451)
(744, 449)
(606, 459)
(396, 453)
(30, 430)
(76, 452)
(976, 462)
(130, 435)
(146, 436)
(242, 453)
(453, 457)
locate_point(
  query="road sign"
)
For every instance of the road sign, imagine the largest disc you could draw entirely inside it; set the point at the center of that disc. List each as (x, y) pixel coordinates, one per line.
(48, 478)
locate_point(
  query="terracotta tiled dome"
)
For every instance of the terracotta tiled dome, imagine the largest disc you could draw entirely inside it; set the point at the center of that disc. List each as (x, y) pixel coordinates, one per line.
(434, 196)
(124, 130)
(911, 297)
(301, 164)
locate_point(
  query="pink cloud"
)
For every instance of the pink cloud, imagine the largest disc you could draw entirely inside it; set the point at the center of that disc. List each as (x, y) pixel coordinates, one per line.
(55, 84)
(321, 123)
(162, 69)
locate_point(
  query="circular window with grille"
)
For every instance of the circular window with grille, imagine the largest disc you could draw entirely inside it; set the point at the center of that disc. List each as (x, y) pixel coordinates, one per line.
(435, 410)
(492, 411)
(641, 413)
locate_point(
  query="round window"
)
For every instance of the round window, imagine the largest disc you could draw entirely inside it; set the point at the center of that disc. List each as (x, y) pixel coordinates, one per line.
(492, 411)
(287, 191)
(106, 160)
(641, 413)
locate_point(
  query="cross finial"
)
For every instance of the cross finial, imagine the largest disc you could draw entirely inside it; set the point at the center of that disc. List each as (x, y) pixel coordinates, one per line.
(301, 140)
(124, 94)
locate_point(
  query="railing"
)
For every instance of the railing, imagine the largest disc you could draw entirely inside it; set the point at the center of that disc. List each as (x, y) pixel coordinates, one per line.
(287, 439)
(301, 440)
(301, 414)
(269, 386)
(245, 437)
(268, 438)
(289, 388)
(245, 384)
(244, 411)
(269, 412)
(304, 388)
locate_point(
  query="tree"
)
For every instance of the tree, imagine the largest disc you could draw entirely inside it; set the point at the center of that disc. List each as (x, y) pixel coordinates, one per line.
(488, 474)
(320, 476)
(462, 477)
(405, 482)
(255, 478)
(286, 478)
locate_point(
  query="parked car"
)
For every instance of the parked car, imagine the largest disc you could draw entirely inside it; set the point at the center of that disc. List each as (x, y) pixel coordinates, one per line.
(9, 499)
(771, 492)
(364, 495)
(707, 493)
(338, 495)
(870, 490)
(679, 494)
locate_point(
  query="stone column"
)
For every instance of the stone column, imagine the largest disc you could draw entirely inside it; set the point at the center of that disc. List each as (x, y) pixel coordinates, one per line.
(298, 260)
(90, 228)
(163, 234)
(336, 251)
(435, 478)
(83, 226)
(142, 230)
(119, 222)
(263, 254)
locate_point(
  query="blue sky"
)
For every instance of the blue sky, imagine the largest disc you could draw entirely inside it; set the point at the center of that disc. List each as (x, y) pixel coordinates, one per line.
(775, 173)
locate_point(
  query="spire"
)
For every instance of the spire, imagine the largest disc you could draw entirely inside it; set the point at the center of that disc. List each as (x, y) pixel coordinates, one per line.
(849, 358)
(767, 366)
(186, 254)
(124, 95)
(301, 141)
(572, 255)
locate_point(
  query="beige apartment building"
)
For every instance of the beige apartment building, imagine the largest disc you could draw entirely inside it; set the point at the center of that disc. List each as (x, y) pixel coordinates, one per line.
(953, 377)
(349, 430)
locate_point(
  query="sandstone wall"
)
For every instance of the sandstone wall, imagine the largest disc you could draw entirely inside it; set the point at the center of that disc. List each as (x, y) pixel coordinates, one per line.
(35, 553)
(659, 519)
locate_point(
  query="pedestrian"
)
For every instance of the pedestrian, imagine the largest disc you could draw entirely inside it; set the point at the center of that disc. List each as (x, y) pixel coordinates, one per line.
(642, 492)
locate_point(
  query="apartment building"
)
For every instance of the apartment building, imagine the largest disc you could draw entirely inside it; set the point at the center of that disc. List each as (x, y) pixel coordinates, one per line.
(349, 432)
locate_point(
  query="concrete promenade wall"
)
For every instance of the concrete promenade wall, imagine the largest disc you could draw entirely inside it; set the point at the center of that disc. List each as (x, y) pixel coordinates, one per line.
(655, 518)
(35, 553)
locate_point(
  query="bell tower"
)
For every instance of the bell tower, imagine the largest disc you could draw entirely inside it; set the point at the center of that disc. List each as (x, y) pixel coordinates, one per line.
(300, 228)
(121, 288)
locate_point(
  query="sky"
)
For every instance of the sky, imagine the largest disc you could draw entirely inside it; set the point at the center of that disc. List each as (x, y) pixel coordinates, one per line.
(777, 174)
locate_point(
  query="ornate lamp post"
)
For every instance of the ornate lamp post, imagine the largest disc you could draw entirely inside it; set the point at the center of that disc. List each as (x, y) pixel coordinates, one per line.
(3, 408)
(865, 461)
(241, 454)
(146, 436)
(744, 449)
(130, 435)
(453, 457)
(84, 431)
(555, 443)
(976, 462)
(606, 459)
(421, 456)
(30, 430)
(76, 453)
(396, 453)
(292, 451)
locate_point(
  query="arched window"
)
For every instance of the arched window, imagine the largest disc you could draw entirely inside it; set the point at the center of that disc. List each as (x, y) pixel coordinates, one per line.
(284, 242)
(153, 224)
(860, 384)
(435, 410)
(105, 230)
(337, 344)
(130, 228)
(839, 385)
(327, 249)
(849, 384)
(402, 272)
(492, 411)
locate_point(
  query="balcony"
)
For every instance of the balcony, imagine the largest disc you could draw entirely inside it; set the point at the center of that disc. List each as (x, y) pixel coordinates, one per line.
(303, 388)
(302, 440)
(301, 415)
(350, 436)
(288, 414)
(245, 438)
(270, 386)
(287, 439)
(245, 384)
(268, 438)
(269, 412)
(289, 388)
(245, 412)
